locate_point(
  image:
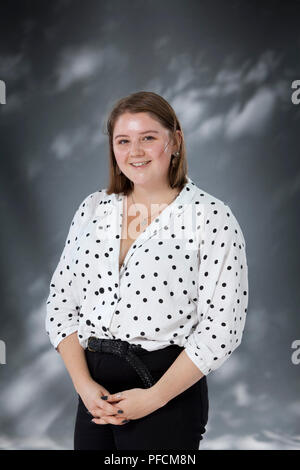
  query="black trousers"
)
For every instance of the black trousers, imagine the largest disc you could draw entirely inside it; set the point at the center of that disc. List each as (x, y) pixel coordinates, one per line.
(177, 425)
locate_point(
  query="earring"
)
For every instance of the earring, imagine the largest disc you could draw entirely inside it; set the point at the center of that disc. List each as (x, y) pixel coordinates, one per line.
(175, 155)
(118, 171)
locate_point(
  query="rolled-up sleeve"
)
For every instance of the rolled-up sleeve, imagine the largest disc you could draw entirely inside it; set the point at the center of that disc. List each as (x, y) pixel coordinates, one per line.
(63, 302)
(222, 291)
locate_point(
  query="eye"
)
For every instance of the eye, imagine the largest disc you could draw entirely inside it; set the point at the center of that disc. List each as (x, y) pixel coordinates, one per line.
(146, 137)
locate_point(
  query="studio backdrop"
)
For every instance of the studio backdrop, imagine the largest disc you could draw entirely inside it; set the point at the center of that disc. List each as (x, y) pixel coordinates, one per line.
(231, 71)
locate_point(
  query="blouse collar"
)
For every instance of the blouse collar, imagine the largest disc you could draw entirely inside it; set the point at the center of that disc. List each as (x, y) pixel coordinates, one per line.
(109, 215)
(110, 202)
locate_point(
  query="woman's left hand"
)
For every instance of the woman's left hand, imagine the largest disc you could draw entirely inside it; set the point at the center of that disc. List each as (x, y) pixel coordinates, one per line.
(135, 403)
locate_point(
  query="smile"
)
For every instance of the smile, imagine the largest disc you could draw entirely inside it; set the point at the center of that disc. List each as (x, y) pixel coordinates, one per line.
(139, 164)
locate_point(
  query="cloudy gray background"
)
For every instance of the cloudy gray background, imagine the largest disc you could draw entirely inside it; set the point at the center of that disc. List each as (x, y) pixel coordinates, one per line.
(226, 67)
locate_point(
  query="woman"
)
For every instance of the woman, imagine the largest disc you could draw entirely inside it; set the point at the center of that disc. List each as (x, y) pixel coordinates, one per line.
(150, 294)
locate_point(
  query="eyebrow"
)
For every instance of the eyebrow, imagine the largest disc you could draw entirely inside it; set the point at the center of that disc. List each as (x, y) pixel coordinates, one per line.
(145, 132)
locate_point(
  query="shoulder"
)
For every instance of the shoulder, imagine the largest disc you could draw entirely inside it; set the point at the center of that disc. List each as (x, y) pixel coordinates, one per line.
(92, 200)
(216, 212)
(209, 204)
(88, 206)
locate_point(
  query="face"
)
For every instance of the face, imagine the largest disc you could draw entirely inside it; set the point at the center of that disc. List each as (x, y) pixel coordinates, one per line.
(140, 138)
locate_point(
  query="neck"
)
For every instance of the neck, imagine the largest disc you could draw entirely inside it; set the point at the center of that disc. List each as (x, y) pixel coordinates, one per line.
(157, 195)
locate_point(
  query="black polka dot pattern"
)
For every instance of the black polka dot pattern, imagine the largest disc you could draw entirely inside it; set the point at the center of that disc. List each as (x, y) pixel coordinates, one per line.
(184, 280)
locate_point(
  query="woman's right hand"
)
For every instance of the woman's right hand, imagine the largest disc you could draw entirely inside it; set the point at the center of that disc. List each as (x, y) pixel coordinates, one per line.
(90, 393)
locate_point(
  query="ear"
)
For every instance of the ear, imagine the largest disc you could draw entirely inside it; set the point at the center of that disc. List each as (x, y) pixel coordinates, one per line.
(177, 139)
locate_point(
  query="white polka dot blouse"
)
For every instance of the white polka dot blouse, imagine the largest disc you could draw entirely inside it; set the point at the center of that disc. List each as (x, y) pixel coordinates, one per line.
(184, 280)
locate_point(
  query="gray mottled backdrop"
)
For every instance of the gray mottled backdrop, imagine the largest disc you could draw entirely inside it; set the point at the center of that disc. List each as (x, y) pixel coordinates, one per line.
(227, 68)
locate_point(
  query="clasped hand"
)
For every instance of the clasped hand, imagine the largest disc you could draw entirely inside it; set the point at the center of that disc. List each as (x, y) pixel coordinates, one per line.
(135, 403)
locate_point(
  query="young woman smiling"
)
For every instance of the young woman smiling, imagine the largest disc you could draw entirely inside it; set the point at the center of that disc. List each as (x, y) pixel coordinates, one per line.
(151, 291)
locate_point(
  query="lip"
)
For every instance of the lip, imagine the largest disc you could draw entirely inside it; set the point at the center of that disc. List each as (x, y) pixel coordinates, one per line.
(141, 166)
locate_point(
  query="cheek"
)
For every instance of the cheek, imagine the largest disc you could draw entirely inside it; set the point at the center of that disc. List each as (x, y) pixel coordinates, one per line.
(120, 157)
(159, 152)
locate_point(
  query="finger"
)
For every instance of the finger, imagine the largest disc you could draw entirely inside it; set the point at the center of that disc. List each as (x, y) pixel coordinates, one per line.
(113, 397)
(98, 421)
(105, 407)
(100, 412)
(111, 420)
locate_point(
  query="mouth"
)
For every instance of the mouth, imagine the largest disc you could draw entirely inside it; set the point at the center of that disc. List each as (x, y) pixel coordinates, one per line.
(140, 164)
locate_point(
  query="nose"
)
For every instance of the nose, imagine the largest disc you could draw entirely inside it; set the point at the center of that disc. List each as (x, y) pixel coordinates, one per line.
(136, 148)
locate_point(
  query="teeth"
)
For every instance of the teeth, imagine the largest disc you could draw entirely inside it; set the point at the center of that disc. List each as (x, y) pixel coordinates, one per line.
(139, 164)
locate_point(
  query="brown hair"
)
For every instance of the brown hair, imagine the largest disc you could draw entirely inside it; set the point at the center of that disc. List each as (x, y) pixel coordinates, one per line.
(159, 109)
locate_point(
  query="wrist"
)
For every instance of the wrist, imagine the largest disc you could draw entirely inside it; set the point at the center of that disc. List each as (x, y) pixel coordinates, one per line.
(158, 397)
(81, 384)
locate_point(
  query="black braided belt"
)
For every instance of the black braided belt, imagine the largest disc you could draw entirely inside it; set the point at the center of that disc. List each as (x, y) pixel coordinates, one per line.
(124, 350)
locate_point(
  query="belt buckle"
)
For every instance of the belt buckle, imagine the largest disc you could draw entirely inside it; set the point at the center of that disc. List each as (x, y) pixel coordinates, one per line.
(89, 348)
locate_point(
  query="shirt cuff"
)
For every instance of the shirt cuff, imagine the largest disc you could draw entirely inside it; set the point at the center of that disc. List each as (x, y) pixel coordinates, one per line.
(63, 334)
(197, 360)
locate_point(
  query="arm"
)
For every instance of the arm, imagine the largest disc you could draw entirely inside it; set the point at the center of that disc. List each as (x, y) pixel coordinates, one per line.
(137, 402)
(74, 358)
(62, 318)
(89, 390)
(181, 375)
(64, 303)
(221, 306)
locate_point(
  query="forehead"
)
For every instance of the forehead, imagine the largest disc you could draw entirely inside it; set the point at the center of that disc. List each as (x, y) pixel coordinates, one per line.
(137, 122)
